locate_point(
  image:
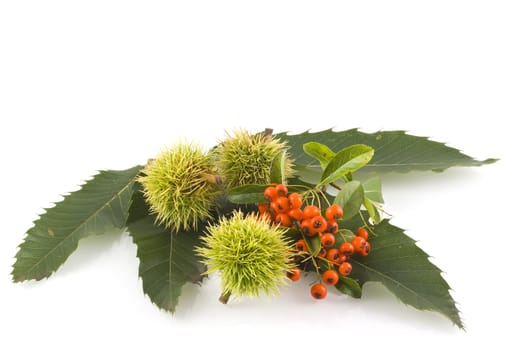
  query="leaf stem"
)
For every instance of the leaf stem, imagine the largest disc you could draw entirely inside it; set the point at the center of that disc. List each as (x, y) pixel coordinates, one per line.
(335, 186)
(224, 298)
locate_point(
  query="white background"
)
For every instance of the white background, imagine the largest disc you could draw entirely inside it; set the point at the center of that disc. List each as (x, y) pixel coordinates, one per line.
(87, 85)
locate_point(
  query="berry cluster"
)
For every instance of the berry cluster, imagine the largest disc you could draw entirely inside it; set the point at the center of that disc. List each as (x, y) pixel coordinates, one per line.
(287, 210)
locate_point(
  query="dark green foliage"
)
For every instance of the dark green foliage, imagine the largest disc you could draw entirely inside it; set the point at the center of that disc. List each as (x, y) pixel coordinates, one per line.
(167, 259)
(395, 151)
(397, 262)
(101, 205)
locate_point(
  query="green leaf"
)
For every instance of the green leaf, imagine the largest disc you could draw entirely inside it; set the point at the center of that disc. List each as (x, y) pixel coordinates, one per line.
(320, 152)
(344, 235)
(167, 259)
(405, 270)
(278, 168)
(346, 161)
(395, 151)
(309, 174)
(100, 206)
(373, 212)
(372, 189)
(349, 286)
(314, 244)
(350, 199)
(247, 194)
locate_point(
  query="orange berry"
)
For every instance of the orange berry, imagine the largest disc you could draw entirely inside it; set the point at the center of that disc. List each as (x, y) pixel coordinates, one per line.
(264, 217)
(322, 253)
(327, 240)
(282, 190)
(283, 219)
(332, 227)
(296, 214)
(358, 243)
(263, 207)
(280, 205)
(362, 232)
(311, 211)
(346, 249)
(345, 269)
(334, 212)
(365, 249)
(294, 274)
(301, 246)
(333, 255)
(319, 223)
(270, 193)
(296, 200)
(330, 277)
(307, 229)
(318, 291)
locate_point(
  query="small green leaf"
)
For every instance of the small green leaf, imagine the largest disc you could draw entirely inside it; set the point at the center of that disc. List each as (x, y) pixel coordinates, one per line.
(374, 213)
(350, 199)
(346, 161)
(396, 151)
(167, 259)
(372, 189)
(344, 235)
(314, 244)
(278, 168)
(100, 206)
(247, 194)
(348, 286)
(320, 152)
(308, 173)
(405, 270)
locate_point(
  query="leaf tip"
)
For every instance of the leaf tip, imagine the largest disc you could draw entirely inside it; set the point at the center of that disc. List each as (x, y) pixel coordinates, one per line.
(490, 161)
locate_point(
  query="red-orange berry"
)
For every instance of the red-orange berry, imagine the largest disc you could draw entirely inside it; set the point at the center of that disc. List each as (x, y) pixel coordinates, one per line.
(282, 190)
(270, 193)
(318, 291)
(358, 243)
(283, 219)
(307, 229)
(294, 274)
(327, 240)
(333, 255)
(319, 223)
(301, 246)
(263, 207)
(274, 207)
(332, 227)
(362, 232)
(330, 277)
(345, 269)
(311, 211)
(281, 205)
(322, 253)
(365, 249)
(296, 200)
(346, 249)
(334, 212)
(264, 217)
(296, 214)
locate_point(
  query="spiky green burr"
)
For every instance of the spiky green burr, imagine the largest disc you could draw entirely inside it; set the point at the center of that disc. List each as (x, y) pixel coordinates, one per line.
(251, 255)
(178, 186)
(244, 159)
